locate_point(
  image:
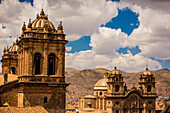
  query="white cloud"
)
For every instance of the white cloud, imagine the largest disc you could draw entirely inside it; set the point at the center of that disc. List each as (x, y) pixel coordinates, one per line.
(103, 54)
(84, 18)
(86, 59)
(68, 48)
(134, 63)
(152, 36)
(125, 62)
(162, 5)
(107, 40)
(79, 17)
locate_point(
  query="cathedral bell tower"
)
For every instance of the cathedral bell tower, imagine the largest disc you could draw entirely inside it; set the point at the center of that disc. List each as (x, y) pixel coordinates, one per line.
(41, 65)
(115, 83)
(147, 83)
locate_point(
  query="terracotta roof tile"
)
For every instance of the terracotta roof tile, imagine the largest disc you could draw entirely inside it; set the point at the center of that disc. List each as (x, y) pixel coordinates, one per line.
(36, 109)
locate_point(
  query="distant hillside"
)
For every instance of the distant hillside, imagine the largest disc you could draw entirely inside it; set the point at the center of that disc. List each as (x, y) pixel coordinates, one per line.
(82, 81)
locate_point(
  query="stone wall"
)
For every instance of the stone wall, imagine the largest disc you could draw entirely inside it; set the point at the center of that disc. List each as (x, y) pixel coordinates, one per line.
(9, 95)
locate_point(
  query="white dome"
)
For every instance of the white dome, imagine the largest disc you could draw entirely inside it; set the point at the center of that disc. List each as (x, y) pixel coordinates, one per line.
(101, 84)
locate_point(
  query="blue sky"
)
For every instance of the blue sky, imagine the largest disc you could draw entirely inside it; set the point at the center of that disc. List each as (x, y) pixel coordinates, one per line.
(126, 24)
(127, 21)
(29, 1)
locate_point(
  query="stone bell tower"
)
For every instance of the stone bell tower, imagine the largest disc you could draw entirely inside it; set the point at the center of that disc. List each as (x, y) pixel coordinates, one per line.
(41, 48)
(147, 87)
(115, 83)
(147, 83)
(41, 65)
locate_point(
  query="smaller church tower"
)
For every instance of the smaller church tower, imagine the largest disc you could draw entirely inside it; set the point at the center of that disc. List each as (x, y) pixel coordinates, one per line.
(10, 60)
(147, 87)
(115, 83)
(147, 83)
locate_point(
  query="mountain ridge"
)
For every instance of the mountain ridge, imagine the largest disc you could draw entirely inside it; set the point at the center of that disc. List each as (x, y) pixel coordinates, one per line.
(83, 81)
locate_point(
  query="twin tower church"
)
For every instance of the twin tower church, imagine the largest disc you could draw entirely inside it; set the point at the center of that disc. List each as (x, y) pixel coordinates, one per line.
(33, 74)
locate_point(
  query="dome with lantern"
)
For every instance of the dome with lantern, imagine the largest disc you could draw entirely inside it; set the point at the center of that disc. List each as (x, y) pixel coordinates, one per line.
(115, 71)
(42, 24)
(101, 84)
(13, 48)
(42, 21)
(147, 72)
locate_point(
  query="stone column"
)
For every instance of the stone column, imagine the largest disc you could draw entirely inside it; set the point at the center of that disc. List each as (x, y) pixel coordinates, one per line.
(96, 102)
(63, 64)
(60, 63)
(20, 99)
(99, 103)
(83, 103)
(19, 64)
(31, 60)
(144, 105)
(27, 62)
(22, 62)
(103, 104)
(45, 58)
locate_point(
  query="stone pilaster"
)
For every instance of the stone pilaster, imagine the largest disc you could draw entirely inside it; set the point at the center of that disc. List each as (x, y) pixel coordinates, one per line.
(45, 59)
(60, 63)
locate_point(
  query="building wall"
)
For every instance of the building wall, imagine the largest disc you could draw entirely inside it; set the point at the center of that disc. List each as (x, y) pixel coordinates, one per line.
(9, 94)
(34, 95)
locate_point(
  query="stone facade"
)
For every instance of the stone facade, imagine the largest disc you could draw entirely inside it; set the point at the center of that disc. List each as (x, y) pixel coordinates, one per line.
(112, 96)
(37, 58)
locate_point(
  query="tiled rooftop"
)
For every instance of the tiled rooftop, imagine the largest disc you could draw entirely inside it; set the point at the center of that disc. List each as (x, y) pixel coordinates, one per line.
(36, 109)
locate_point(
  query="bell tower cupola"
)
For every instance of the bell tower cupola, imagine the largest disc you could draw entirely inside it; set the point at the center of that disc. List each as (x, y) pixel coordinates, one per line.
(115, 83)
(147, 83)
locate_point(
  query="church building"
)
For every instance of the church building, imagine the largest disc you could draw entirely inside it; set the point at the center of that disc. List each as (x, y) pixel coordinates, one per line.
(33, 68)
(111, 95)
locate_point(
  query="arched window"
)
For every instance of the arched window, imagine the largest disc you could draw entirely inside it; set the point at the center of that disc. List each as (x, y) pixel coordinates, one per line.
(100, 93)
(149, 80)
(37, 59)
(116, 79)
(109, 87)
(117, 111)
(133, 110)
(12, 70)
(45, 99)
(117, 88)
(51, 64)
(117, 103)
(149, 88)
(149, 111)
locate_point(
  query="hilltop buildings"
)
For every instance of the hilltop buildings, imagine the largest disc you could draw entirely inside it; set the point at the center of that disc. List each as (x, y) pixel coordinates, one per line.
(112, 96)
(33, 68)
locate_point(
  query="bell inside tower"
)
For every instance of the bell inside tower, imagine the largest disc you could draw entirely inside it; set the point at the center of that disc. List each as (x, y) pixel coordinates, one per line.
(51, 64)
(37, 58)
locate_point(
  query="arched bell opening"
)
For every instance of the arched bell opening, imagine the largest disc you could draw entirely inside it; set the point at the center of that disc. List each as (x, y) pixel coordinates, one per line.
(13, 70)
(37, 63)
(51, 64)
(45, 100)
